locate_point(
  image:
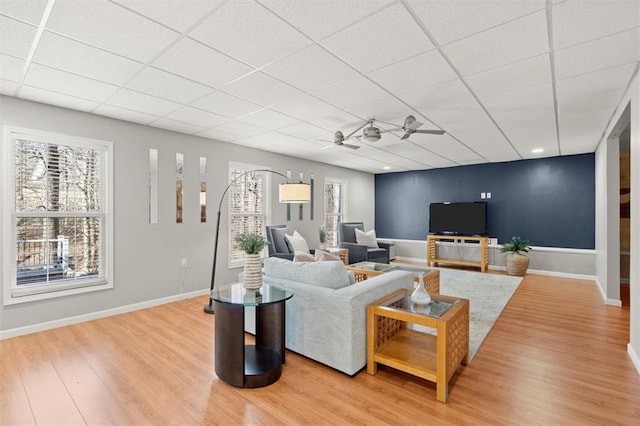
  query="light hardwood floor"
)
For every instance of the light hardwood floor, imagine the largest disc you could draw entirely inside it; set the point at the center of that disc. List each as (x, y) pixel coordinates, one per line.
(557, 355)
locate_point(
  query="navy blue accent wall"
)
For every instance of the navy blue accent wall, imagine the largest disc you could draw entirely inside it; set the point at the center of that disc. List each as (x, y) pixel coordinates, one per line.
(549, 201)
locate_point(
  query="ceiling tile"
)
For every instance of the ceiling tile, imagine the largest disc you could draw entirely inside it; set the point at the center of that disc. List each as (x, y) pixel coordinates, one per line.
(125, 114)
(512, 42)
(226, 105)
(381, 39)
(176, 126)
(241, 128)
(448, 148)
(594, 82)
(93, 23)
(310, 69)
(336, 15)
(261, 89)
(269, 119)
(167, 86)
(306, 131)
(68, 84)
(575, 22)
(464, 111)
(581, 132)
(384, 109)
(197, 117)
(530, 128)
(607, 52)
(136, 101)
(15, 37)
(11, 68)
(305, 107)
(68, 55)
(7, 87)
(518, 75)
(452, 20)
(179, 18)
(240, 29)
(200, 63)
(352, 93)
(424, 70)
(58, 99)
(442, 95)
(29, 11)
(593, 101)
(219, 135)
(530, 97)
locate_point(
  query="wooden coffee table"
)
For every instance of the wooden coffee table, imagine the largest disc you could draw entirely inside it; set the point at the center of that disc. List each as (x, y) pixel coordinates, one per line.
(392, 339)
(364, 270)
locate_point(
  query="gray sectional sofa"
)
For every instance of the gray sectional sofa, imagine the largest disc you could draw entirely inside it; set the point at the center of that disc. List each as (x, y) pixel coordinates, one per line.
(326, 320)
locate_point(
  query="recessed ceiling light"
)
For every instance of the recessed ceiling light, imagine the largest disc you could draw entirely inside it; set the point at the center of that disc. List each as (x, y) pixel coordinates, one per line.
(386, 168)
(537, 150)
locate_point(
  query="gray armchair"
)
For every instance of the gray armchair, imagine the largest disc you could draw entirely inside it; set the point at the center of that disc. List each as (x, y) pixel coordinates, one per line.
(277, 244)
(357, 252)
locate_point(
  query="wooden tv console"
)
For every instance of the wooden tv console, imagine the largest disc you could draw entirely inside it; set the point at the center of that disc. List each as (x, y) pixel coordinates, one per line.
(432, 252)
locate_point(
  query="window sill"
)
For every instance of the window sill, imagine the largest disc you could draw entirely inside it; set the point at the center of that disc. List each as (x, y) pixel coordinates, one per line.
(10, 299)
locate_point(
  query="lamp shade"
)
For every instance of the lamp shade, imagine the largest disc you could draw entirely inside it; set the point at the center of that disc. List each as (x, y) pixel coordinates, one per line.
(295, 193)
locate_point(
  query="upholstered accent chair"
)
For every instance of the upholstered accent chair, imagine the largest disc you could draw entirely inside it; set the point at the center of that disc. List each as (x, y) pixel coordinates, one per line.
(277, 244)
(357, 252)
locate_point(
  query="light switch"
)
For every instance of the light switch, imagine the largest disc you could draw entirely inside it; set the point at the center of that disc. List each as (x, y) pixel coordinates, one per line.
(483, 195)
(488, 195)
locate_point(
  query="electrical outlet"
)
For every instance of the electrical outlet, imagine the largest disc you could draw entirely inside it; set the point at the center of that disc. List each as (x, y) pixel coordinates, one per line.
(488, 195)
(183, 263)
(483, 195)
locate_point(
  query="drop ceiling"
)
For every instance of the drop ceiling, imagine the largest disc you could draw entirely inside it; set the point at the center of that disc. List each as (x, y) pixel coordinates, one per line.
(500, 77)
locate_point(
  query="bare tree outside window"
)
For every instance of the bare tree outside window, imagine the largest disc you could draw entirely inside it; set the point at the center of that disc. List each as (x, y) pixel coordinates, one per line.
(247, 206)
(334, 193)
(59, 212)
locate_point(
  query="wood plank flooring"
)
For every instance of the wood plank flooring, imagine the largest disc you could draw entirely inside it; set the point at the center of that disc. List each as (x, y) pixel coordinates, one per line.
(557, 355)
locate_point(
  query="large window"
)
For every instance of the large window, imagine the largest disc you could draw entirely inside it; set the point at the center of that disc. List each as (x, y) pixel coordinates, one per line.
(58, 216)
(249, 205)
(334, 200)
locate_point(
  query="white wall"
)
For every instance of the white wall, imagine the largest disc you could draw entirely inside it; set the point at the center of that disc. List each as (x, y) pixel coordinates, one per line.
(147, 257)
(606, 219)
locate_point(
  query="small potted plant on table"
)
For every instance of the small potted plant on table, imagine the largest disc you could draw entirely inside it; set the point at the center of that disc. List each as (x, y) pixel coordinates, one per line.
(252, 245)
(322, 233)
(516, 261)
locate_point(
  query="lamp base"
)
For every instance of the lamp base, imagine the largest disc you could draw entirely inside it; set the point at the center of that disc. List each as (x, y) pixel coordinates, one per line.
(209, 309)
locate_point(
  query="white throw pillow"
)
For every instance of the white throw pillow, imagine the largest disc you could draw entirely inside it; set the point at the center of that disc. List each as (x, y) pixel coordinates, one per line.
(303, 257)
(298, 242)
(323, 256)
(366, 238)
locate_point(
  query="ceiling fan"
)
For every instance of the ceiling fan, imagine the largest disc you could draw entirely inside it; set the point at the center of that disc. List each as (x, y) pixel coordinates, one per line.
(370, 133)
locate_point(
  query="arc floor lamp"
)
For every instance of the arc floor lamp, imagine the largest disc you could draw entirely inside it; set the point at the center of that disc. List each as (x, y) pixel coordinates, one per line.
(289, 192)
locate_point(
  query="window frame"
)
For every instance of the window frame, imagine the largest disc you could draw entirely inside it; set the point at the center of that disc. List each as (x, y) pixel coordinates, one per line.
(12, 293)
(247, 167)
(343, 205)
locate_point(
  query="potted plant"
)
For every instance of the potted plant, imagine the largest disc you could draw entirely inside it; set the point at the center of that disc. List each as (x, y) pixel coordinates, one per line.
(516, 261)
(323, 237)
(252, 245)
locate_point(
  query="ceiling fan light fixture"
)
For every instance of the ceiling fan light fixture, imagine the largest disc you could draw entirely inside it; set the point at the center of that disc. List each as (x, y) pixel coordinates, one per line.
(371, 134)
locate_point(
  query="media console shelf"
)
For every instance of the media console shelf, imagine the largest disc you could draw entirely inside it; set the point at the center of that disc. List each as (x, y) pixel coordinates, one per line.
(432, 252)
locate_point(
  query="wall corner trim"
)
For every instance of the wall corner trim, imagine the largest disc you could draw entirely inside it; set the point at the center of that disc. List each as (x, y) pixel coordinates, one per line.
(634, 357)
(21, 331)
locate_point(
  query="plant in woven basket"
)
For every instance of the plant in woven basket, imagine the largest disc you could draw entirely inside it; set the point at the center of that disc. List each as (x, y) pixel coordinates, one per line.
(250, 243)
(516, 262)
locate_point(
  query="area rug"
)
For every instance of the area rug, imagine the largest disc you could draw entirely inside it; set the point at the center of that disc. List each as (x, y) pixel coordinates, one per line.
(488, 294)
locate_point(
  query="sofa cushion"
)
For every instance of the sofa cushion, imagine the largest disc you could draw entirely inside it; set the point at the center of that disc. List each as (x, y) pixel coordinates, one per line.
(298, 242)
(280, 242)
(366, 238)
(322, 274)
(303, 257)
(321, 256)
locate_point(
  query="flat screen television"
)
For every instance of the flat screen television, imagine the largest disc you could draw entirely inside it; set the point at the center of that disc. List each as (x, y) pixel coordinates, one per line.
(458, 218)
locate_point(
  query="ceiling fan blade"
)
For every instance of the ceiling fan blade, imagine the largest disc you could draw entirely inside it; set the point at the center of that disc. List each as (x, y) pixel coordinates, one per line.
(405, 136)
(415, 124)
(431, 132)
(348, 145)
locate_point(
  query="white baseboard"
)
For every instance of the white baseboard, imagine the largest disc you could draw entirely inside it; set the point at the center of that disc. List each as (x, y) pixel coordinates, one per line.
(529, 271)
(20, 331)
(634, 357)
(612, 302)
